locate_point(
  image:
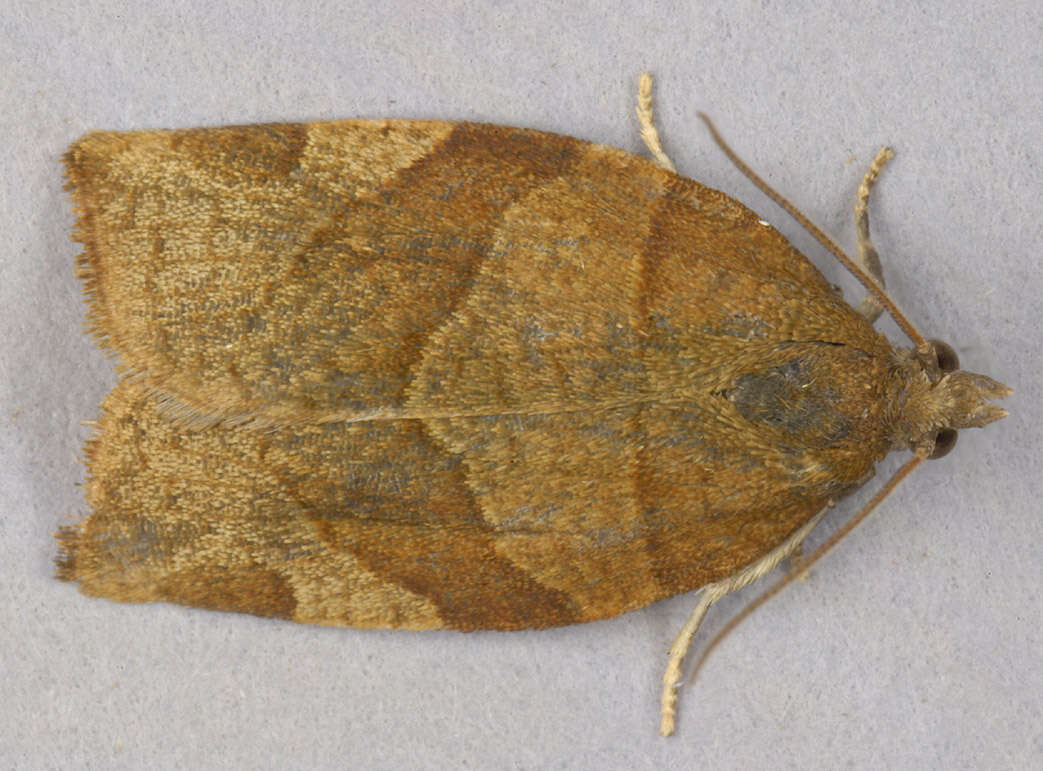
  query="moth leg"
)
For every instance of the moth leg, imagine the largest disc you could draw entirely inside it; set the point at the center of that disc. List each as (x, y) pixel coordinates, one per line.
(796, 561)
(712, 593)
(868, 258)
(649, 133)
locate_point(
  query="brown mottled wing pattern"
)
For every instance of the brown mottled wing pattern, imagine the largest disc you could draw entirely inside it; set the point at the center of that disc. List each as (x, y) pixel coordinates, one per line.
(423, 374)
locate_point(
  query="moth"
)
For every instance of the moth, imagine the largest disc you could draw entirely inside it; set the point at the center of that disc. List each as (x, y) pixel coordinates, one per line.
(423, 374)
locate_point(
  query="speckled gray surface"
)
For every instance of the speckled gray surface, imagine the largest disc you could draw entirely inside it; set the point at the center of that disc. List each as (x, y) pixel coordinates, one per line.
(917, 643)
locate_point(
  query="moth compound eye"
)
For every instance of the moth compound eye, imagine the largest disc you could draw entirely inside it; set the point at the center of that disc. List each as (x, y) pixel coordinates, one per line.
(944, 440)
(948, 361)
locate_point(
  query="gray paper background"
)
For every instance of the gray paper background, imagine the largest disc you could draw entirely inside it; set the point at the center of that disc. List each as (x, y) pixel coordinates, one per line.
(916, 643)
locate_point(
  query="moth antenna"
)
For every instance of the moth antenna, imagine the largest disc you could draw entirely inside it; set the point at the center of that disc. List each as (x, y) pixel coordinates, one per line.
(712, 593)
(863, 277)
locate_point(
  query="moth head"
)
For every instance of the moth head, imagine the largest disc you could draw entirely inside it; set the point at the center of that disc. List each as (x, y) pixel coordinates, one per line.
(939, 399)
